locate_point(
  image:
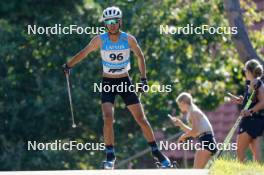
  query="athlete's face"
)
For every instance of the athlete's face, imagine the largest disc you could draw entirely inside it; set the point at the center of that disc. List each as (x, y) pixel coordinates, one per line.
(248, 74)
(183, 107)
(113, 25)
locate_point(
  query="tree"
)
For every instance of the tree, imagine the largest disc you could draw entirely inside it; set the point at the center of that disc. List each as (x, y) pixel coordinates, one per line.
(241, 40)
(34, 103)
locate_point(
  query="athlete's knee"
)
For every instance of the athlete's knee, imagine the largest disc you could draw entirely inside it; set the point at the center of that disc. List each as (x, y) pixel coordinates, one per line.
(108, 118)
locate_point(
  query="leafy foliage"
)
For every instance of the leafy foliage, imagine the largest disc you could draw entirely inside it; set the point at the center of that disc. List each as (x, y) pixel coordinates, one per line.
(34, 102)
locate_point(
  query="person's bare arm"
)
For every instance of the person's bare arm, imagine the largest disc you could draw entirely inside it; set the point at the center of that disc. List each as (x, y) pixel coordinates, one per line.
(194, 120)
(92, 46)
(138, 52)
(185, 128)
(236, 99)
(260, 105)
(179, 123)
(191, 132)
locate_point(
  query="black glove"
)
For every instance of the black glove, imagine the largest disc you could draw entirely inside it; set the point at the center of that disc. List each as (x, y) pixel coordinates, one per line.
(143, 85)
(66, 69)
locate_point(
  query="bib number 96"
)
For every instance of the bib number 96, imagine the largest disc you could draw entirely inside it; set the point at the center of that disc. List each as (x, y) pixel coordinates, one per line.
(118, 57)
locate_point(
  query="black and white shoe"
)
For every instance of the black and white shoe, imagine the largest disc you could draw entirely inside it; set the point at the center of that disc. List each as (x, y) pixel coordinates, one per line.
(164, 164)
(109, 165)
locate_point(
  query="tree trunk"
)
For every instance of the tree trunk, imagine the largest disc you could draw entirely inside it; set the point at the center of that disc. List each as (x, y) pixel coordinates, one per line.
(241, 39)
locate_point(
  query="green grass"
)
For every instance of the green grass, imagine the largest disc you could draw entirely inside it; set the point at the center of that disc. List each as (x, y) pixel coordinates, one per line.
(233, 167)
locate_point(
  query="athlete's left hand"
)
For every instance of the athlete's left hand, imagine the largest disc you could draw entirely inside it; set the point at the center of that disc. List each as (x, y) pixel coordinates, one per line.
(182, 138)
(66, 69)
(246, 113)
(143, 85)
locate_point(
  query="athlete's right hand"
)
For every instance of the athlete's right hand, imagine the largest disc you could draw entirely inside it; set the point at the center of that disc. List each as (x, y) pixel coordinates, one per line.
(66, 69)
(176, 121)
(182, 138)
(235, 99)
(143, 85)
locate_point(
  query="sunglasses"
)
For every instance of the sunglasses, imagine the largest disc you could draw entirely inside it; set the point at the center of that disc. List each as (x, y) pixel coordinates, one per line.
(111, 21)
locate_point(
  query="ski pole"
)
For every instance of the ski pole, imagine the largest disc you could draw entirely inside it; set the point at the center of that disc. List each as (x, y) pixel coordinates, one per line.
(70, 99)
(230, 133)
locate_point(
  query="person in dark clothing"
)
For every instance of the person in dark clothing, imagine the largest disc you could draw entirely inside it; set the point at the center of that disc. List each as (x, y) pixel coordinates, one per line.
(252, 125)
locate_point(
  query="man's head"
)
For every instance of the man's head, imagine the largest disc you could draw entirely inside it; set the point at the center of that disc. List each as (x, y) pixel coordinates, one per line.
(184, 101)
(112, 17)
